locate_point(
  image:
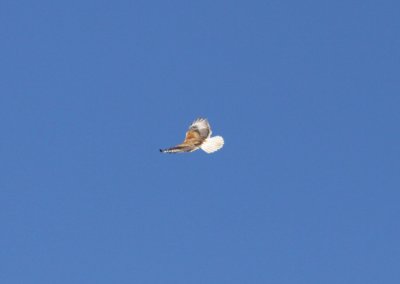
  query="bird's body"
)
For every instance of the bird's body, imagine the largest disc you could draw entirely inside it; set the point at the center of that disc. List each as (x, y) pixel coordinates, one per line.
(198, 137)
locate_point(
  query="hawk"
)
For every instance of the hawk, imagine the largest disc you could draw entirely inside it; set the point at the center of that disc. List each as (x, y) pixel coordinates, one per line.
(198, 137)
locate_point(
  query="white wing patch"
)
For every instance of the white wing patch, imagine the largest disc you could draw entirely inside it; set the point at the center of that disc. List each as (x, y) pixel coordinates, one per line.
(212, 144)
(202, 126)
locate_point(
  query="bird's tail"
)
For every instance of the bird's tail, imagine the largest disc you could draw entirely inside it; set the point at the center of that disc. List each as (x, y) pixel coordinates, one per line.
(212, 144)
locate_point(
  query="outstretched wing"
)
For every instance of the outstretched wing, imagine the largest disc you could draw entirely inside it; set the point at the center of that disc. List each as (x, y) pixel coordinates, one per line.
(199, 130)
(181, 148)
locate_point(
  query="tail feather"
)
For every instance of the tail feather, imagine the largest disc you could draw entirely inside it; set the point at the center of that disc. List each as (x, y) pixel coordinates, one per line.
(212, 144)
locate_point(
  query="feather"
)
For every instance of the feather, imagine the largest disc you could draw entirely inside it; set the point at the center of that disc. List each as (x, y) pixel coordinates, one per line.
(212, 144)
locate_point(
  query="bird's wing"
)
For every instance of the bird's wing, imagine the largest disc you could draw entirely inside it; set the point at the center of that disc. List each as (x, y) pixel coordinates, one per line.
(198, 131)
(181, 148)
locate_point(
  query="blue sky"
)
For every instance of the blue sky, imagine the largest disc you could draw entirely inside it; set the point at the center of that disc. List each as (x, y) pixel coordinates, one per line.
(305, 190)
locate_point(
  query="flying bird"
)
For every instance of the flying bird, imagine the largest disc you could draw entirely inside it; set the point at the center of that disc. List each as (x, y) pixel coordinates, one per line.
(198, 137)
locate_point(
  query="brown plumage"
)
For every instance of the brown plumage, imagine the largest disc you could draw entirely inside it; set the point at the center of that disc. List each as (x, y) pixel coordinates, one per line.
(198, 136)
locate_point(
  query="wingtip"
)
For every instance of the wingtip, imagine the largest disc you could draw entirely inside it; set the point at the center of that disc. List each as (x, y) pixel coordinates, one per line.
(161, 150)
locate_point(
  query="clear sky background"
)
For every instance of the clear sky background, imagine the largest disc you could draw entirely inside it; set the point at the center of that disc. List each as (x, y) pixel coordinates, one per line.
(305, 93)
